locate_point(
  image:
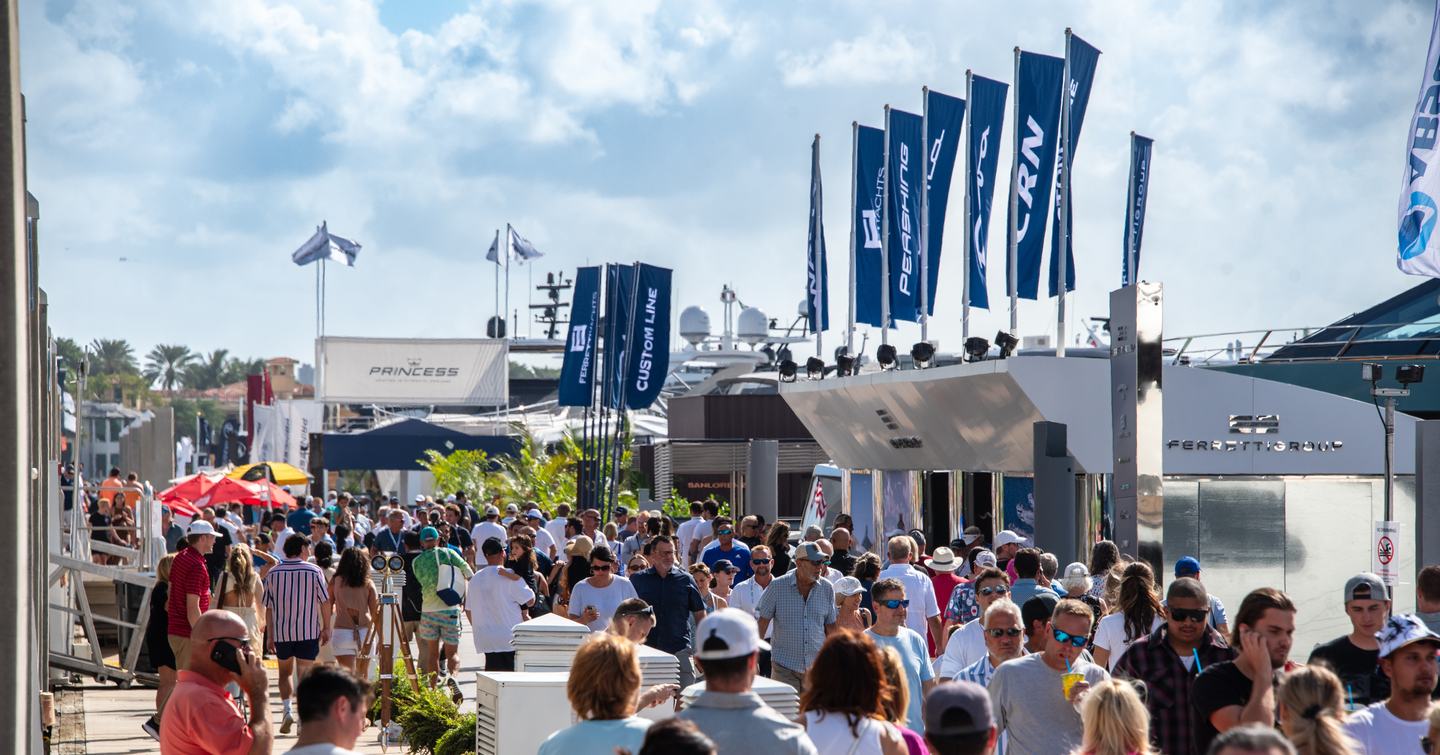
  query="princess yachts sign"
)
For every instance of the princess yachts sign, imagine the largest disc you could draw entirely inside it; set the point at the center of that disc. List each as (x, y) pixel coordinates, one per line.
(412, 371)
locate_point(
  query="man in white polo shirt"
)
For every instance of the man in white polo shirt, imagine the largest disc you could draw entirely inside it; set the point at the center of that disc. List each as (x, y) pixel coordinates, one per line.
(926, 612)
(495, 603)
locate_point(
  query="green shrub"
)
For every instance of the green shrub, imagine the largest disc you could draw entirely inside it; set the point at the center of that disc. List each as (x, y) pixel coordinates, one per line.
(426, 718)
(460, 739)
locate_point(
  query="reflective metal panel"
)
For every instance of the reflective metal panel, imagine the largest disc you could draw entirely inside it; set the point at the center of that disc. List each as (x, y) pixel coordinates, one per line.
(1137, 419)
(1241, 536)
(860, 497)
(1327, 531)
(1182, 526)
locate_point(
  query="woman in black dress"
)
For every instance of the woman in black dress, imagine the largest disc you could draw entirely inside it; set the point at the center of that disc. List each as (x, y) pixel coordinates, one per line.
(157, 644)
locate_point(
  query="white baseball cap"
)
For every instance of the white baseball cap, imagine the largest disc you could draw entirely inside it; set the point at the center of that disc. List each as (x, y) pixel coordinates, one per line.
(848, 586)
(1008, 537)
(1402, 630)
(1077, 570)
(985, 558)
(728, 633)
(420, 498)
(200, 527)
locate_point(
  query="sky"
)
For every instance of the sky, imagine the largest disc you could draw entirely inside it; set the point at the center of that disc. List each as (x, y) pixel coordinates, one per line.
(182, 149)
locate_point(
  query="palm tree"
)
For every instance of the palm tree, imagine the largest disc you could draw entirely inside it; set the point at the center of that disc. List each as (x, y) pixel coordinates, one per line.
(165, 364)
(70, 353)
(208, 371)
(113, 356)
(236, 369)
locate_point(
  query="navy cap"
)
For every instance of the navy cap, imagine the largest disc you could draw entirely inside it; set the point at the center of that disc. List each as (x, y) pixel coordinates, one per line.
(1187, 566)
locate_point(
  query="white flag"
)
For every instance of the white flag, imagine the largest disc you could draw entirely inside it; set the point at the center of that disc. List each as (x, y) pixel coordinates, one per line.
(521, 247)
(494, 254)
(1419, 249)
(325, 245)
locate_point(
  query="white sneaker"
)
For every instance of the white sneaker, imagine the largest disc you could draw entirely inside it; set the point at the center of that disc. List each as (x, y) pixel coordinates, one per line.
(286, 724)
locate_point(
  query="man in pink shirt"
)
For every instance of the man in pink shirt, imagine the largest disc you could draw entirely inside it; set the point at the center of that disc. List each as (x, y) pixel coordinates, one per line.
(201, 718)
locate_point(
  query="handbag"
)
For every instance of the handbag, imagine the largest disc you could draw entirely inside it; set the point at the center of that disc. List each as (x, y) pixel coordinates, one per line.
(448, 587)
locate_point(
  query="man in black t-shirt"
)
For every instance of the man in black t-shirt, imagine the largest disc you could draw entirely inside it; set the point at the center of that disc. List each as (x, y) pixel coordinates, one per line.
(1355, 657)
(1242, 691)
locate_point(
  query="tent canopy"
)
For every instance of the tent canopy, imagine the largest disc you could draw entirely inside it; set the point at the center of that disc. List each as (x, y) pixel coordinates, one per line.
(401, 445)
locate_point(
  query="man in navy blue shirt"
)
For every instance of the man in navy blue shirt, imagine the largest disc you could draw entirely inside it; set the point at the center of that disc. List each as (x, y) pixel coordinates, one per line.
(676, 600)
(728, 548)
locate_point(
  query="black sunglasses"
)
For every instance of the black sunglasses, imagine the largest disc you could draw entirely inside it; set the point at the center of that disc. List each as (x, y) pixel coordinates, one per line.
(759, 560)
(996, 590)
(1011, 632)
(1075, 640)
(1197, 615)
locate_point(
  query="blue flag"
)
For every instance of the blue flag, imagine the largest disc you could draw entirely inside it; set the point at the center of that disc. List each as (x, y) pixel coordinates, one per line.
(817, 286)
(1037, 132)
(577, 373)
(1083, 59)
(649, 344)
(987, 120)
(944, 117)
(619, 298)
(902, 190)
(1135, 206)
(869, 181)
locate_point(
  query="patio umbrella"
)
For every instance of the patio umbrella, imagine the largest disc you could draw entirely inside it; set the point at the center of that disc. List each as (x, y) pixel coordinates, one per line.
(277, 472)
(190, 488)
(181, 506)
(277, 496)
(230, 490)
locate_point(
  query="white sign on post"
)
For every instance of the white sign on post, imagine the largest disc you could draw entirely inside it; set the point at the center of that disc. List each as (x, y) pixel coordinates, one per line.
(1386, 559)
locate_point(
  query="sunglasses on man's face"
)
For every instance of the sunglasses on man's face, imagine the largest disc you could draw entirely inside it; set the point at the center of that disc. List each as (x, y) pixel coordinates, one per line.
(996, 590)
(725, 531)
(894, 603)
(759, 561)
(1196, 615)
(1075, 640)
(1011, 632)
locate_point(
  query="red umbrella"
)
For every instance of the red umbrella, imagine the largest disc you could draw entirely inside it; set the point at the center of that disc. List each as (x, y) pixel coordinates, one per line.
(181, 506)
(277, 495)
(230, 491)
(190, 488)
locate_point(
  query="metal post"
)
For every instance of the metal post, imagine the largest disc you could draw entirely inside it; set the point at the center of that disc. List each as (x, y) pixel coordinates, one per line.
(19, 700)
(497, 278)
(969, 216)
(1390, 459)
(509, 331)
(1063, 232)
(885, 238)
(850, 313)
(925, 215)
(1012, 233)
(818, 259)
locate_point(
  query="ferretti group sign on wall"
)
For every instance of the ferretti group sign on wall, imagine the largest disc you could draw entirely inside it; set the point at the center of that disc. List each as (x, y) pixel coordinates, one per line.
(413, 371)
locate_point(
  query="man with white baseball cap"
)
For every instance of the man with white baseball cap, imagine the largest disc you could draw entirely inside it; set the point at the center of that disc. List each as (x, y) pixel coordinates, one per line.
(1407, 656)
(727, 650)
(1007, 544)
(489, 528)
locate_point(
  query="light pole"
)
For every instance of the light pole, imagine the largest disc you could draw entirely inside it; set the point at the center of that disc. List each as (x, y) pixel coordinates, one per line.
(1406, 375)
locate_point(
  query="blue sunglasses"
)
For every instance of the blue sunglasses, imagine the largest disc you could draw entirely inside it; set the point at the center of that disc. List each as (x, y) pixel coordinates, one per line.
(1076, 640)
(895, 603)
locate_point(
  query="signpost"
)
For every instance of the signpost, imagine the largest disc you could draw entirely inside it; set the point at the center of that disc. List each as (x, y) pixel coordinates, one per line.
(1386, 560)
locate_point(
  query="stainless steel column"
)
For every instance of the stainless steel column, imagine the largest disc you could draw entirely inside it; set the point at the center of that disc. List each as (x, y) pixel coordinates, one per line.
(1427, 493)
(762, 479)
(1138, 420)
(1055, 510)
(19, 700)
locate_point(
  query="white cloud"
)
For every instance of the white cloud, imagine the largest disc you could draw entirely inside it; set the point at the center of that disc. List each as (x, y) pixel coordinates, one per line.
(883, 54)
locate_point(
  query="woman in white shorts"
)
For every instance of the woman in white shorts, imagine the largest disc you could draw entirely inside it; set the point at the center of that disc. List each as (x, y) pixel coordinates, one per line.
(357, 609)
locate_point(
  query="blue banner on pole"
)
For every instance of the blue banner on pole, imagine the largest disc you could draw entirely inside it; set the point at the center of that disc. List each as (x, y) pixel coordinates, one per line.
(902, 187)
(619, 289)
(577, 373)
(1038, 132)
(1135, 206)
(817, 285)
(987, 121)
(649, 361)
(869, 181)
(1083, 59)
(944, 118)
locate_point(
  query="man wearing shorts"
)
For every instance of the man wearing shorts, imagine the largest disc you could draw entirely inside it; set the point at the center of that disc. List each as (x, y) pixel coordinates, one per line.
(295, 600)
(439, 621)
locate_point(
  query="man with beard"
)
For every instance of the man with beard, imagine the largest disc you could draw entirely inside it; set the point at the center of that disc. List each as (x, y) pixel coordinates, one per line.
(1407, 656)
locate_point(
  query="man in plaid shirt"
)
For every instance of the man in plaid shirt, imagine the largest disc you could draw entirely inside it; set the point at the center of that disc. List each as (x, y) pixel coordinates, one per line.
(1169, 659)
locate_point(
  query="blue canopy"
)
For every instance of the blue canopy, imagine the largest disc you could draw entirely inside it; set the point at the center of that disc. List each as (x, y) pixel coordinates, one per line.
(401, 445)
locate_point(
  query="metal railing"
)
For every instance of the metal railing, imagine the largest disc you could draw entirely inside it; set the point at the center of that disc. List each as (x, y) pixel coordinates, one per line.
(1264, 344)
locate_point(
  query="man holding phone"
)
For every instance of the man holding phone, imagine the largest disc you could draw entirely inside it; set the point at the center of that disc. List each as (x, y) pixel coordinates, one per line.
(201, 717)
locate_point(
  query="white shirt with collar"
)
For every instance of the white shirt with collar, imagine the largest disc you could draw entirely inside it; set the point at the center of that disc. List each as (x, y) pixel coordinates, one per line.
(683, 534)
(920, 591)
(746, 597)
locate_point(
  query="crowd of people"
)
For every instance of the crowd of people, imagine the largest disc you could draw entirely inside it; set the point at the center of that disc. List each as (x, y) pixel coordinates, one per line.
(965, 648)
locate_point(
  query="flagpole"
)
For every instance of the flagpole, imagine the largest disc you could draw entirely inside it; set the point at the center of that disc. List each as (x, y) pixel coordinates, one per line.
(850, 315)
(925, 215)
(1129, 271)
(969, 219)
(509, 332)
(497, 274)
(1012, 233)
(885, 239)
(817, 297)
(1063, 232)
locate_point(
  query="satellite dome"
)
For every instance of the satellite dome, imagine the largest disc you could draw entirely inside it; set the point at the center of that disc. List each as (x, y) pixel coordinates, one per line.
(694, 325)
(753, 326)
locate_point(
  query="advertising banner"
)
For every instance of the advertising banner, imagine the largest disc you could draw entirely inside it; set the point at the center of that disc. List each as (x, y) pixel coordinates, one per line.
(619, 285)
(413, 371)
(1037, 133)
(869, 193)
(817, 278)
(577, 374)
(902, 189)
(1419, 247)
(944, 119)
(295, 421)
(1083, 59)
(987, 120)
(1140, 148)
(649, 360)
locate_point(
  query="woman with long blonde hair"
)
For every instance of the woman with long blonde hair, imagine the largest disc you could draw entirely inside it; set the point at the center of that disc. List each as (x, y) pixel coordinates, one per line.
(1312, 709)
(240, 590)
(1115, 721)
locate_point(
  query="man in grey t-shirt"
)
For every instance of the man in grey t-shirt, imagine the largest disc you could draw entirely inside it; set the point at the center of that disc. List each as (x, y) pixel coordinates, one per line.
(1034, 700)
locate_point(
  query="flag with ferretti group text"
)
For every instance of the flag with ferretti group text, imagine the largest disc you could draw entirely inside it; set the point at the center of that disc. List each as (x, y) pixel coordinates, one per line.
(577, 372)
(1083, 59)
(817, 285)
(1135, 205)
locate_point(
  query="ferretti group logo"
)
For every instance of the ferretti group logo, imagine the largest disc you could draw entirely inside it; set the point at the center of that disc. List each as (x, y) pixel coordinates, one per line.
(1256, 424)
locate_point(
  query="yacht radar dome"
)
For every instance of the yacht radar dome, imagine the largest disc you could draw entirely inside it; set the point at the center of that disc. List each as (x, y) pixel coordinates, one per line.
(754, 326)
(694, 325)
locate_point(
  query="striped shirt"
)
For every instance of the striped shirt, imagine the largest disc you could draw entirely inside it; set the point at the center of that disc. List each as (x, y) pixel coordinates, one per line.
(188, 576)
(294, 591)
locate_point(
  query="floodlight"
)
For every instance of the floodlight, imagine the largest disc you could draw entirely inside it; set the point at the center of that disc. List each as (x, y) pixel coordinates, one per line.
(976, 348)
(814, 368)
(1006, 343)
(885, 355)
(787, 370)
(1410, 373)
(844, 363)
(922, 352)
(1372, 372)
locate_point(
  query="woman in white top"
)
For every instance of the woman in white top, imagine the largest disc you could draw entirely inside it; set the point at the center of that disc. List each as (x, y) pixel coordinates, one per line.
(595, 598)
(1139, 614)
(603, 688)
(843, 702)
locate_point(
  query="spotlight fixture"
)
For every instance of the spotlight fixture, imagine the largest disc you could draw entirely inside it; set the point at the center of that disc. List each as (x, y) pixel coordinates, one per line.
(844, 363)
(885, 355)
(814, 368)
(1006, 343)
(1372, 372)
(976, 348)
(787, 370)
(1410, 373)
(923, 353)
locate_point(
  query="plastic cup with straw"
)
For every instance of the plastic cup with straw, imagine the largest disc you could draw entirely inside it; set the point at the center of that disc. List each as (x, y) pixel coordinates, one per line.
(1069, 679)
